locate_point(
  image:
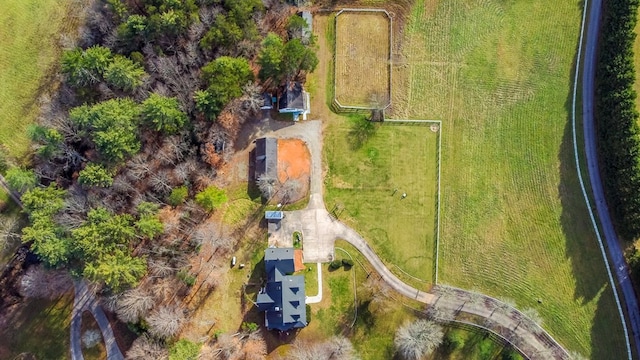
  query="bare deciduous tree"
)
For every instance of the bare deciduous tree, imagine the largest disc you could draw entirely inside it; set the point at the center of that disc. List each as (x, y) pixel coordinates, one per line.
(333, 349)
(290, 190)
(160, 267)
(133, 304)
(160, 182)
(39, 282)
(252, 99)
(165, 288)
(166, 321)
(307, 351)
(341, 348)
(228, 347)
(9, 231)
(436, 312)
(417, 339)
(267, 185)
(145, 347)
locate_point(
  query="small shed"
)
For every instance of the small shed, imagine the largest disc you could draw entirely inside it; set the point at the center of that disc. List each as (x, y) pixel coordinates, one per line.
(274, 215)
(274, 220)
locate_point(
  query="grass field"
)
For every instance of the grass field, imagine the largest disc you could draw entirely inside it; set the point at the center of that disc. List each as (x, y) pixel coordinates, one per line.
(41, 328)
(368, 183)
(514, 225)
(29, 51)
(362, 59)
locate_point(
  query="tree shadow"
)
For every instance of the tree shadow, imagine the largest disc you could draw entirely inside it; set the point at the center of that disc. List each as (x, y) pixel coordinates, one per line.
(360, 131)
(582, 248)
(256, 128)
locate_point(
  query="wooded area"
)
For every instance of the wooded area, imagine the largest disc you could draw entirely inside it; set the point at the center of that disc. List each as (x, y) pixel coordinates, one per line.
(617, 117)
(126, 152)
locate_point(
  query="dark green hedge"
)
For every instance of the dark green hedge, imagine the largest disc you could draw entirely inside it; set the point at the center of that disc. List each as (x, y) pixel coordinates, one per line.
(617, 117)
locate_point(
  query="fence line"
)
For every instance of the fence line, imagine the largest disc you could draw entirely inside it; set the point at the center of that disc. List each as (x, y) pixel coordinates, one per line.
(520, 315)
(438, 197)
(339, 105)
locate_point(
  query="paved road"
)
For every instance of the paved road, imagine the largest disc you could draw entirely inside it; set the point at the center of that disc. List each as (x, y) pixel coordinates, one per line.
(86, 300)
(613, 245)
(534, 341)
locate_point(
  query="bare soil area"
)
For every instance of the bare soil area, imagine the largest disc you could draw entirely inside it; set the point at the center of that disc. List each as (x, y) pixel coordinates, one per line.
(294, 165)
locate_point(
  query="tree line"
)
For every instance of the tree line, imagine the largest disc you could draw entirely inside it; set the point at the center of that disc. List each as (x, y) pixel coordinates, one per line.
(617, 116)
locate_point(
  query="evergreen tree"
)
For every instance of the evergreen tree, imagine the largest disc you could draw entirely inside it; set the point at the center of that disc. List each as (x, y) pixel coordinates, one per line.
(163, 114)
(95, 175)
(124, 74)
(112, 125)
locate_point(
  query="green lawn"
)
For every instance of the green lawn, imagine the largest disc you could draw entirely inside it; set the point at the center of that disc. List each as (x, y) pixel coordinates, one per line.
(374, 329)
(41, 328)
(361, 186)
(29, 51)
(499, 74)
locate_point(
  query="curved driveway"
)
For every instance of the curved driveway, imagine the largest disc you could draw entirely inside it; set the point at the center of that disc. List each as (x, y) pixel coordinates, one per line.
(534, 342)
(86, 300)
(613, 245)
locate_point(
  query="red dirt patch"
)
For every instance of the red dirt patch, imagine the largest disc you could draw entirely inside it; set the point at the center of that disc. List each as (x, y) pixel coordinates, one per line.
(297, 261)
(294, 160)
(294, 168)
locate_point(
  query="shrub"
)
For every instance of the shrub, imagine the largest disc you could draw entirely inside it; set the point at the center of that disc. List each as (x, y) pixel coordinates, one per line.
(453, 341)
(21, 180)
(347, 263)
(187, 278)
(335, 264)
(95, 175)
(211, 198)
(184, 350)
(178, 196)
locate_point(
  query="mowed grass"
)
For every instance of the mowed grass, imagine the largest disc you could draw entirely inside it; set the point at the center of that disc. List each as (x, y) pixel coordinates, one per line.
(365, 188)
(29, 35)
(514, 223)
(377, 319)
(362, 59)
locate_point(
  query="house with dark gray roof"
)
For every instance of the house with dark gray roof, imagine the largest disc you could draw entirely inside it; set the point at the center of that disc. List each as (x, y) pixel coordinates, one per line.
(294, 100)
(266, 158)
(283, 297)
